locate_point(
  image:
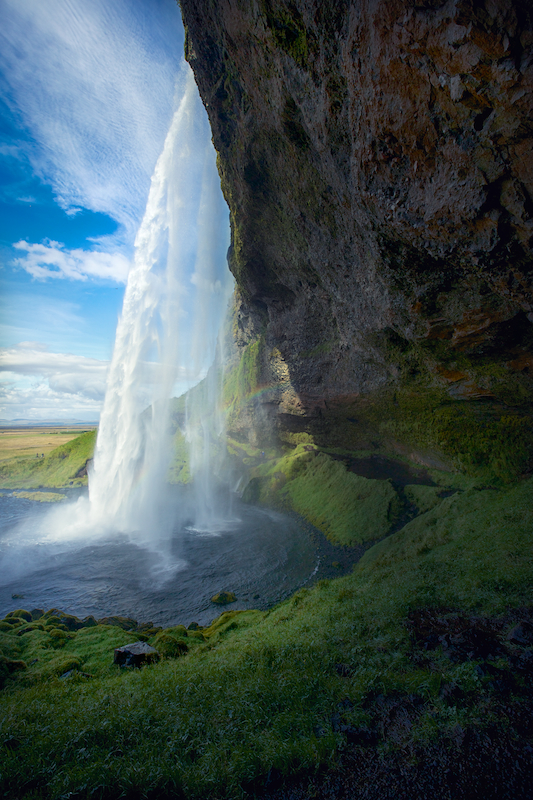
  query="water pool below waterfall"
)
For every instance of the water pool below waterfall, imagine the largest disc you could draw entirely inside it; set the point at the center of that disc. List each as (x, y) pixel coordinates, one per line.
(260, 555)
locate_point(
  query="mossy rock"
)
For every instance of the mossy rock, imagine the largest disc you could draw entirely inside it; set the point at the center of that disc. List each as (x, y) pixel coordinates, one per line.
(65, 665)
(58, 638)
(170, 647)
(5, 627)
(33, 626)
(53, 626)
(12, 622)
(89, 622)
(223, 598)
(194, 627)
(52, 620)
(197, 635)
(71, 622)
(149, 632)
(126, 623)
(12, 664)
(176, 630)
(21, 614)
(37, 613)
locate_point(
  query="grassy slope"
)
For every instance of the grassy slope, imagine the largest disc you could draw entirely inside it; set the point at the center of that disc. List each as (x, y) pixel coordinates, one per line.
(57, 469)
(262, 690)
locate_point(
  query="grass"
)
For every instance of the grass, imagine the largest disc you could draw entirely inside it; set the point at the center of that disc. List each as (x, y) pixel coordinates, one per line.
(348, 508)
(260, 691)
(59, 468)
(30, 442)
(42, 497)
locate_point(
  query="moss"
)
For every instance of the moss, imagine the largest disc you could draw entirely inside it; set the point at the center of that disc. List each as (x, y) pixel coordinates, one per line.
(169, 646)
(483, 439)
(42, 497)
(242, 381)
(223, 598)
(21, 614)
(424, 497)
(264, 691)
(289, 32)
(348, 508)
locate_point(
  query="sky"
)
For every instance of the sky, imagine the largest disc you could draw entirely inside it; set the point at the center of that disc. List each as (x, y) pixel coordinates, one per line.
(87, 92)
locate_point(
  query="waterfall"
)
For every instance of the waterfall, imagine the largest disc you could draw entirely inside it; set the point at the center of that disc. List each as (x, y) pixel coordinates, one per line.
(175, 298)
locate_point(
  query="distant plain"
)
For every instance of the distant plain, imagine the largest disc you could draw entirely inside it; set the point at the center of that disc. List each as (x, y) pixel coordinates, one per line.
(30, 442)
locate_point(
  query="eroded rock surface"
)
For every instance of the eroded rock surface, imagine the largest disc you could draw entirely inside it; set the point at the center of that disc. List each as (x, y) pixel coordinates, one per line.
(377, 159)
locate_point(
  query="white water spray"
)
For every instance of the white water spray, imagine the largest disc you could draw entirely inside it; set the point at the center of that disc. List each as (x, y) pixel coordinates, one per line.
(173, 305)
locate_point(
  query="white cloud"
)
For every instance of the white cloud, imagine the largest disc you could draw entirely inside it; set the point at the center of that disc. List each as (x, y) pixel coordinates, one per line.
(53, 260)
(94, 84)
(39, 384)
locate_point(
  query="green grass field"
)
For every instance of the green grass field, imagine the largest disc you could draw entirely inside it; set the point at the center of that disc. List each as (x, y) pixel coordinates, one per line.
(261, 691)
(61, 466)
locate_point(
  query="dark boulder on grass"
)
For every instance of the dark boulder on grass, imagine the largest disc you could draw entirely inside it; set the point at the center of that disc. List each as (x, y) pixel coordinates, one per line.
(223, 598)
(136, 654)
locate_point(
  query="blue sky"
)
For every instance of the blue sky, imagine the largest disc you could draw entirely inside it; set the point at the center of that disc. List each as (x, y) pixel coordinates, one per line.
(87, 93)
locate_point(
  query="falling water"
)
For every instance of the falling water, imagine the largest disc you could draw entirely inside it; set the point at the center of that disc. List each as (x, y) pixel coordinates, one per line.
(173, 305)
(129, 549)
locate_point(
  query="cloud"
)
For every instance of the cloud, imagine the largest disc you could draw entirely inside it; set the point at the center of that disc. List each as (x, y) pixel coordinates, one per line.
(93, 83)
(38, 384)
(64, 372)
(53, 260)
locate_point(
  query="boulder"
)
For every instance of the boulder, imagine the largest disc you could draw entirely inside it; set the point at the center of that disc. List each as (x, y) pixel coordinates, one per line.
(223, 598)
(135, 655)
(21, 614)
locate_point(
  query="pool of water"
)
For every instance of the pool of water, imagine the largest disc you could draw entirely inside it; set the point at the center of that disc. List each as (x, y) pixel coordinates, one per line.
(260, 555)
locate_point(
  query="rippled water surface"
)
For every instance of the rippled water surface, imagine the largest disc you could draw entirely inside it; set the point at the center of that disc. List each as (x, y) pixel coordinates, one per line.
(260, 555)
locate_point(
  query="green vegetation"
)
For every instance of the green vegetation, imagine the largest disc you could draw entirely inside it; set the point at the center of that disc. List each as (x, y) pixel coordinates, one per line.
(62, 467)
(349, 509)
(42, 497)
(486, 441)
(258, 691)
(243, 380)
(289, 33)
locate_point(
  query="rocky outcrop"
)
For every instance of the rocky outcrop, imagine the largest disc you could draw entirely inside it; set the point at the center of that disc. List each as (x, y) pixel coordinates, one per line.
(377, 159)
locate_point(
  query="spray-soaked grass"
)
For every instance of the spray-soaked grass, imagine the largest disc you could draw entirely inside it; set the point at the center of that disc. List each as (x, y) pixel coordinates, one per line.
(58, 468)
(348, 508)
(261, 690)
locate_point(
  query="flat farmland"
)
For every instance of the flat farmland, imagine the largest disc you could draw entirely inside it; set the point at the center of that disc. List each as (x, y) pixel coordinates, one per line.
(28, 442)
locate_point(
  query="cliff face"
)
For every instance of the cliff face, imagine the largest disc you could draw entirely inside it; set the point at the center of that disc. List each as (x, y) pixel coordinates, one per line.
(377, 158)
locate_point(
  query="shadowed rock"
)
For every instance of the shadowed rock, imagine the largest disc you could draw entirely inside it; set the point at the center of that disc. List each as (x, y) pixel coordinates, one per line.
(136, 654)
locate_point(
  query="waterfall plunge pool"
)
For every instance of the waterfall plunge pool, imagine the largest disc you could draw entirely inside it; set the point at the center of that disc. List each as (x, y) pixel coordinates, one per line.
(49, 562)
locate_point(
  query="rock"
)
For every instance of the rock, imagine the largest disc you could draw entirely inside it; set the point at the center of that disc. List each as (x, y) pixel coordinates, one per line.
(176, 630)
(521, 634)
(126, 623)
(136, 654)
(36, 613)
(376, 158)
(25, 615)
(89, 622)
(223, 598)
(194, 626)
